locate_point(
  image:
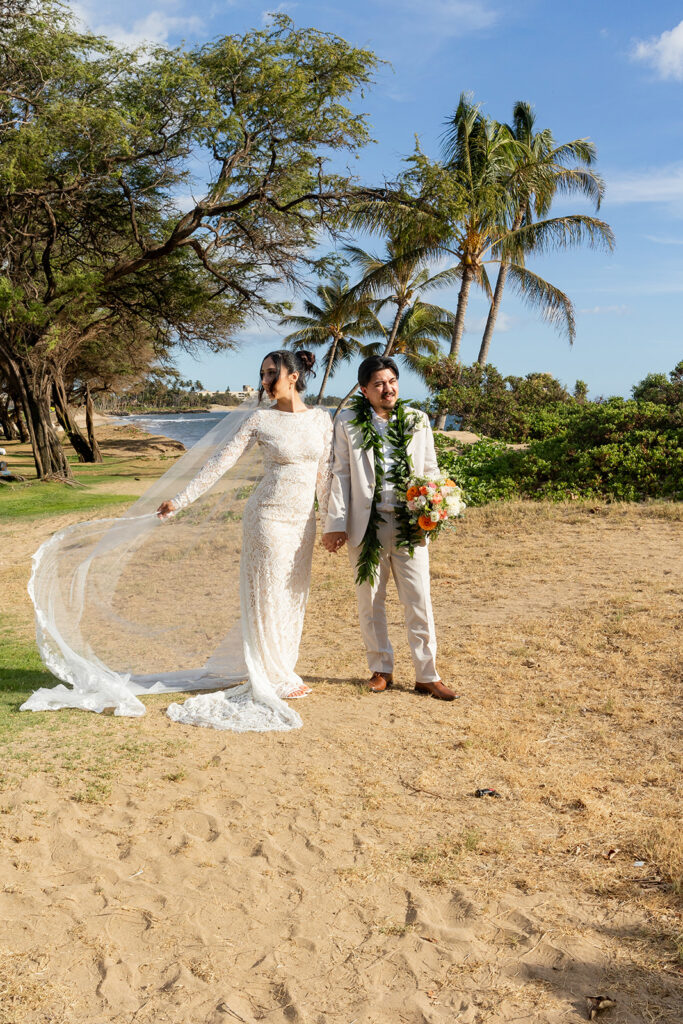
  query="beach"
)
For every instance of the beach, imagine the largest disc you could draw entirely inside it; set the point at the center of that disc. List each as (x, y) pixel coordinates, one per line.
(347, 872)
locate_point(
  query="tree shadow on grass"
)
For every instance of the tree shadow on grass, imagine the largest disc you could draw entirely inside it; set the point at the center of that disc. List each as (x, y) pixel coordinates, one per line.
(18, 684)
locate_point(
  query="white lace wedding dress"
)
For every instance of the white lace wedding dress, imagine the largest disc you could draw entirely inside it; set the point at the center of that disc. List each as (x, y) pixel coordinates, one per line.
(275, 566)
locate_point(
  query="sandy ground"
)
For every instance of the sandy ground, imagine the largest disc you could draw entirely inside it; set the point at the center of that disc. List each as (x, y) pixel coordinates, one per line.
(346, 873)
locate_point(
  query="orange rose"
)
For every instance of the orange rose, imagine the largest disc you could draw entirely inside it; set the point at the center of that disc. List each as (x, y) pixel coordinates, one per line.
(424, 490)
(425, 523)
(411, 493)
(437, 499)
(451, 483)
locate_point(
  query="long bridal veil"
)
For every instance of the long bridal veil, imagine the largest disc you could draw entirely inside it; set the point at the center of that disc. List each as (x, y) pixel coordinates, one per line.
(137, 605)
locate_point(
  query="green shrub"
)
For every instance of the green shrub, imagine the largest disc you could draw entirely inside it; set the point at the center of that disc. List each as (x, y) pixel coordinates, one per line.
(620, 449)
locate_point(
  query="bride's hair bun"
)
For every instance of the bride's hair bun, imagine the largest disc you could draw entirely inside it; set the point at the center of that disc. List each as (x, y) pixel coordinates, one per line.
(307, 360)
(291, 362)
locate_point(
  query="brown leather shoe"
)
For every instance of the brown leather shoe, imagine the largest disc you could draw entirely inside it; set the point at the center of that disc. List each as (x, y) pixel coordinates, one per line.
(436, 689)
(380, 682)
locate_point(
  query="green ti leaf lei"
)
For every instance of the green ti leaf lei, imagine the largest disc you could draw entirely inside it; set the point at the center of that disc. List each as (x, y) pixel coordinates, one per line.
(400, 429)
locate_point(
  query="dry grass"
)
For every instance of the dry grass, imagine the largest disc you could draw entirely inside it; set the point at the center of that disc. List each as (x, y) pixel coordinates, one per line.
(561, 627)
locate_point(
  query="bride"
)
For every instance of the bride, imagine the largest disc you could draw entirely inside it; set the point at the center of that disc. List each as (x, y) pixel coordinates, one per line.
(277, 546)
(145, 603)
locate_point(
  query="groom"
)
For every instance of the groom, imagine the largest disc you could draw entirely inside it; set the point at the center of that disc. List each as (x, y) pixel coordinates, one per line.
(376, 443)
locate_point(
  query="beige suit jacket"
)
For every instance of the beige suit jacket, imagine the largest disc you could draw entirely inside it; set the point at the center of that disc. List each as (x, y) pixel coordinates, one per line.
(353, 474)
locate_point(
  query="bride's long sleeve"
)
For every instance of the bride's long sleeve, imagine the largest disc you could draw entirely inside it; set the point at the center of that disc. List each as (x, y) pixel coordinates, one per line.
(324, 476)
(214, 468)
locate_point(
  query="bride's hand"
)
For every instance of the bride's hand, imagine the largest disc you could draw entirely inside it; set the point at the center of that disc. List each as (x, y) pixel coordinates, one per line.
(332, 542)
(165, 509)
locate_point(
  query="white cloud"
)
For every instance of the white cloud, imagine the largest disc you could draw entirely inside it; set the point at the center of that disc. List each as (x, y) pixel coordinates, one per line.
(658, 185)
(664, 53)
(606, 311)
(504, 323)
(664, 241)
(448, 17)
(154, 27)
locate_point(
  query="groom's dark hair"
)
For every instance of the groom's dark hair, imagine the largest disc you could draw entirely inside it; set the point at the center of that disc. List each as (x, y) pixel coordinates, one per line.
(373, 364)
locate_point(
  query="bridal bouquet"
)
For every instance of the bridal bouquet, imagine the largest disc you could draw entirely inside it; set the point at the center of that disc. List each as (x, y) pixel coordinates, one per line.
(433, 503)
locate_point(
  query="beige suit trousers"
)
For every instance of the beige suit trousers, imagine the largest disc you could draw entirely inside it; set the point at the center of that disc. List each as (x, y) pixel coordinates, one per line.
(411, 576)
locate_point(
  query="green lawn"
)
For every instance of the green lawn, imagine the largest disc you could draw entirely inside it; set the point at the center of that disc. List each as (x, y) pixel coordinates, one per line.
(79, 751)
(44, 499)
(21, 672)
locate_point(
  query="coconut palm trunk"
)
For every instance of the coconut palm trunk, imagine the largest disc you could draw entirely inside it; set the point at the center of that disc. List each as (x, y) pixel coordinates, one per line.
(387, 352)
(461, 310)
(394, 329)
(328, 369)
(458, 328)
(494, 308)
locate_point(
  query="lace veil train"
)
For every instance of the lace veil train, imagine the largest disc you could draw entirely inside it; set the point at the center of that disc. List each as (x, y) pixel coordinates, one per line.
(136, 605)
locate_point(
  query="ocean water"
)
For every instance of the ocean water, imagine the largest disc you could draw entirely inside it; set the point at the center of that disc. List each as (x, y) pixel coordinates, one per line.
(187, 427)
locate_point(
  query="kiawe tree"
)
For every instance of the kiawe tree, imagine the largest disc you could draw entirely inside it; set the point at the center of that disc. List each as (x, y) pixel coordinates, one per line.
(96, 146)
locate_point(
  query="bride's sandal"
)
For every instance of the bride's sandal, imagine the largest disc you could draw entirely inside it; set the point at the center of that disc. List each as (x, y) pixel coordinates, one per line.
(303, 691)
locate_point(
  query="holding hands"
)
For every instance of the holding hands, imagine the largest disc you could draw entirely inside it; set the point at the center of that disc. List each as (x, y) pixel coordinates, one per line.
(334, 541)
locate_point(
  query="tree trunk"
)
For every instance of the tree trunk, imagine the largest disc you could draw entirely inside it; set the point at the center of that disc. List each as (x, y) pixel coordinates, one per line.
(90, 426)
(483, 356)
(458, 328)
(494, 308)
(34, 394)
(20, 424)
(388, 348)
(78, 441)
(387, 352)
(328, 369)
(459, 321)
(345, 399)
(9, 427)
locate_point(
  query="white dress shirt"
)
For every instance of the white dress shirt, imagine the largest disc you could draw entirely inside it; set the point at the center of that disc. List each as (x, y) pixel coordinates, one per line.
(388, 500)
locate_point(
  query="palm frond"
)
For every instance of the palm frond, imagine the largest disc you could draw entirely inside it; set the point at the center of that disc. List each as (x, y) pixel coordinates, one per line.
(583, 181)
(556, 233)
(444, 278)
(556, 308)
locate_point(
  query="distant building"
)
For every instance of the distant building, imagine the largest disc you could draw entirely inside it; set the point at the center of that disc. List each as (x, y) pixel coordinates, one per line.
(246, 392)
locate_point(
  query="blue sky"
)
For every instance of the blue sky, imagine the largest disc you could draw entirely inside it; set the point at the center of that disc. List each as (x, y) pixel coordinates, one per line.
(610, 71)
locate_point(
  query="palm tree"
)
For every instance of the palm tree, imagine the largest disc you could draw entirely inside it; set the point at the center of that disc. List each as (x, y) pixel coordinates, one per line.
(397, 278)
(537, 151)
(420, 330)
(483, 175)
(477, 160)
(337, 321)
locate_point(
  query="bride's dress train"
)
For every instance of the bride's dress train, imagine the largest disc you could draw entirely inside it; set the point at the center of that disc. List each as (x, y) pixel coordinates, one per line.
(275, 566)
(138, 605)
